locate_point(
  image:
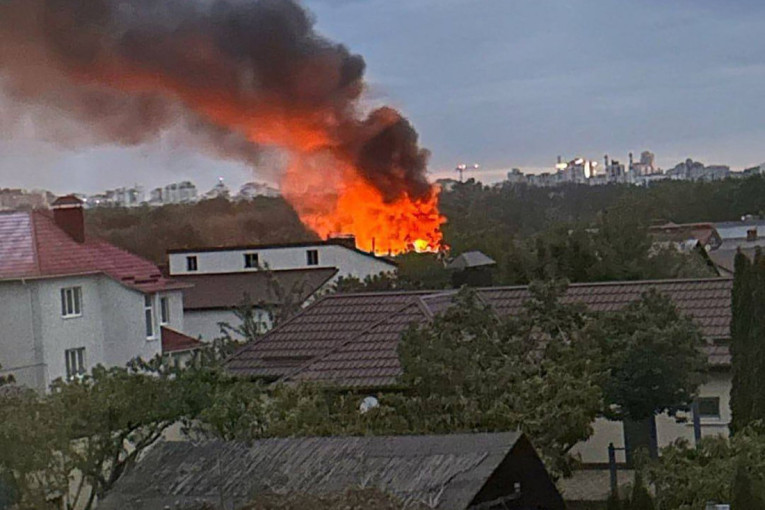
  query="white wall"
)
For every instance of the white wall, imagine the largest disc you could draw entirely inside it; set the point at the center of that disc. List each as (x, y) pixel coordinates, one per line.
(34, 336)
(595, 449)
(204, 323)
(20, 354)
(348, 262)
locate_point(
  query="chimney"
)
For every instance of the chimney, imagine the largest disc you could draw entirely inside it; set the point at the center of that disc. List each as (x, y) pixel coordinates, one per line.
(751, 235)
(68, 215)
(349, 241)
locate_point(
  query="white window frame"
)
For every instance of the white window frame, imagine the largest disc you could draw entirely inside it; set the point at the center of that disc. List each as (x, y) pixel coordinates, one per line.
(149, 317)
(74, 360)
(71, 302)
(308, 257)
(164, 310)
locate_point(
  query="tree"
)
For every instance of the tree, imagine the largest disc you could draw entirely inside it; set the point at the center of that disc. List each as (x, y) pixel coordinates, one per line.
(654, 361)
(747, 349)
(717, 469)
(78, 440)
(469, 370)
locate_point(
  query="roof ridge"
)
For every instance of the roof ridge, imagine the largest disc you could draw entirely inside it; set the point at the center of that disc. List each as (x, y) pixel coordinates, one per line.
(347, 340)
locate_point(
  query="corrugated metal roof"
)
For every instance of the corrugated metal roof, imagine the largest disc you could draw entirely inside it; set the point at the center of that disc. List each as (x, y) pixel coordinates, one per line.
(33, 246)
(471, 259)
(352, 339)
(449, 469)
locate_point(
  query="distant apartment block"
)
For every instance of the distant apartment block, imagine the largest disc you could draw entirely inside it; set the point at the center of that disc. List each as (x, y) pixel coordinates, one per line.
(176, 193)
(641, 173)
(120, 197)
(18, 199)
(250, 190)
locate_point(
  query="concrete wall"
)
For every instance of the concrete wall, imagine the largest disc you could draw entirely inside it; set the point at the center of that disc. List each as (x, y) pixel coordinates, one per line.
(204, 323)
(595, 449)
(348, 262)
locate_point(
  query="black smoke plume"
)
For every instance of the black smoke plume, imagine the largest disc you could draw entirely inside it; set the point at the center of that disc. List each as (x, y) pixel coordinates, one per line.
(126, 71)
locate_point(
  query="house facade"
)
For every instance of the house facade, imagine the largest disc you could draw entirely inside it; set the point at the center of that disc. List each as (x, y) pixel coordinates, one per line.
(69, 302)
(339, 253)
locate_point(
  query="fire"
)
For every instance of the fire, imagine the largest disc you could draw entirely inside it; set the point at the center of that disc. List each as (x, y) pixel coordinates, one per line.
(331, 198)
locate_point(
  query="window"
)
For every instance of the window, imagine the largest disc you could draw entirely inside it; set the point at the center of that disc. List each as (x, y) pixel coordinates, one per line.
(312, 257)
(191, 263)
(75, 362)
(71, 302)
(164, 310)
(148, 308)
(250, 260)
(709, 407)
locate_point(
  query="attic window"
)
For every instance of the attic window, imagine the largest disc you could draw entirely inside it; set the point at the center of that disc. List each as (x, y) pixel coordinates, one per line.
(191, 263)
(312, 257)
(251, 260)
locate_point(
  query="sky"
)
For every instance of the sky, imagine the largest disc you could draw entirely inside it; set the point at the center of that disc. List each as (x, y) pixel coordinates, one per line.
(502, 83)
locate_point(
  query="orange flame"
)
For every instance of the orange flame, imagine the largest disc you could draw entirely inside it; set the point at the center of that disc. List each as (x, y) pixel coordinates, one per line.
(332, 201)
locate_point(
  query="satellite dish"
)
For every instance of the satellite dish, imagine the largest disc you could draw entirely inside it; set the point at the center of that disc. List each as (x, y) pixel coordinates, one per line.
(368, 403)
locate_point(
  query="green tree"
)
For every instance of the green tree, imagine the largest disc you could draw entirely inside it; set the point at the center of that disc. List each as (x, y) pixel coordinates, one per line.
(747, 349)
(469, 370)
(654, 361)
(687, 477)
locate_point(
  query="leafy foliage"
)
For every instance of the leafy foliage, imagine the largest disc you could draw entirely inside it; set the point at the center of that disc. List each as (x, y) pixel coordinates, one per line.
(654, 358)
(720, 469)
(471, 371)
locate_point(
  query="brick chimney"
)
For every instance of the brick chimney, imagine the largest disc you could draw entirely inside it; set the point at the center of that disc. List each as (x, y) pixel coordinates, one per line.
(349, 241)
(68, 215)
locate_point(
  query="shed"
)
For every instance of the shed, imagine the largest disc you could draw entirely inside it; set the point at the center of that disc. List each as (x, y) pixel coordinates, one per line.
(447, 472)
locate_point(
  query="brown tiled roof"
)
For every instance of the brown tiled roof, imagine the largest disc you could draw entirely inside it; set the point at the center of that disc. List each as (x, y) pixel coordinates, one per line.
(225, 291)
(351, 339)
(174, 341)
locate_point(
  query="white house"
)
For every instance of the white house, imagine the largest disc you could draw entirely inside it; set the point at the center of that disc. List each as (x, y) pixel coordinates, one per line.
(69, 301)
(339, 253)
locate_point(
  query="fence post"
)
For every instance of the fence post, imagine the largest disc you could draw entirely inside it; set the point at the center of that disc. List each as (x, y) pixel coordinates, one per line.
(612, 468)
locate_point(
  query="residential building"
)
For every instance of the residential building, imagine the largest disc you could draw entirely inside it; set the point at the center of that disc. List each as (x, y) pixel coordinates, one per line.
(16, 199)
(250, 190)
(339, 253)
(69, 301)
(175, 193)
(444, 472)
(351, 340)
(120, 197)
(686, 236)
(211, 299)
(746, 235)
(220, 190)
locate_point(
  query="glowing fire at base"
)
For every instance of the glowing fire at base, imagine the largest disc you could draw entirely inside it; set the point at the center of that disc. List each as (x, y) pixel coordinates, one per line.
(334, 201)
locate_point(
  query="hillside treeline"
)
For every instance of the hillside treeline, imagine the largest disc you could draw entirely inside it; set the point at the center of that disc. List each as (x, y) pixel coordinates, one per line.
(579, 232)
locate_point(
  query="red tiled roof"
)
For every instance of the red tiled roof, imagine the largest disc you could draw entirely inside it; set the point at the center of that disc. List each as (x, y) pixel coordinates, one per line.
(33, 246)
(175, 341)
(351, 339)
